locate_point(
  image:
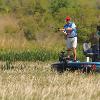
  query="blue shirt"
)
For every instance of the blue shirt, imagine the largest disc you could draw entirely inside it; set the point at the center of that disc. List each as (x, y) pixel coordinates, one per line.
(72, 33)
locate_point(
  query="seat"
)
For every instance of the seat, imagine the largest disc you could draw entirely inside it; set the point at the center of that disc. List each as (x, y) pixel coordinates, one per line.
(87, 50)
(90, 51)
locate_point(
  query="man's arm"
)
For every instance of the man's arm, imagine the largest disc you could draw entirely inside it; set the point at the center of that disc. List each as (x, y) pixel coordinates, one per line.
(71, 28)
(63, 30)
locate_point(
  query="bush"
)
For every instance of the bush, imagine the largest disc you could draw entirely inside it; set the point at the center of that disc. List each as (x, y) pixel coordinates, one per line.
(10, 30)
(27, 24)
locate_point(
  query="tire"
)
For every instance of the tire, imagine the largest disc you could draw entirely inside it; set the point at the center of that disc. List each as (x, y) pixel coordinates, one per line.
(59, 67)
(86, 70)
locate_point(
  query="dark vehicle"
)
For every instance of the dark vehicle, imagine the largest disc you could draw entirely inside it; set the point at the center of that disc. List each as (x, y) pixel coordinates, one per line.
(68, 64)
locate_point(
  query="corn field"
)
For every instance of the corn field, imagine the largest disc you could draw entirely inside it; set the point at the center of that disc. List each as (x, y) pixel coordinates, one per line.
(28, 55)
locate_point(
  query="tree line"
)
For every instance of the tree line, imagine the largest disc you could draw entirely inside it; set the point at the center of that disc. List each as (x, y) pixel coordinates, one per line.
(38, 15)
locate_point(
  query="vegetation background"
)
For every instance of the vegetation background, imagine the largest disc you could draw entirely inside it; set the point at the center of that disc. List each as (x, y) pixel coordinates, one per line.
(31, 26)
(28, 33)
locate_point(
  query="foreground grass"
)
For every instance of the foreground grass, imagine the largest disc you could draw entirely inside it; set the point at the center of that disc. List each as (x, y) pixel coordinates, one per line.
(36, 81)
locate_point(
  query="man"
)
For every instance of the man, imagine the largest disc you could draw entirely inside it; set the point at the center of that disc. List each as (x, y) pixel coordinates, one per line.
(71, 36)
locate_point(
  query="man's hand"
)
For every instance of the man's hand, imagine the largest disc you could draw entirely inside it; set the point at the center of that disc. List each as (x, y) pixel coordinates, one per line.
(63, 30)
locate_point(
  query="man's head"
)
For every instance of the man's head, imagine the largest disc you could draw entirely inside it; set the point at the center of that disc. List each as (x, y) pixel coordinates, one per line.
(67, 19)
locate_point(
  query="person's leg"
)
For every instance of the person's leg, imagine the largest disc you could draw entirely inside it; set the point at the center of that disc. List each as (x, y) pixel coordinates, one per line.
(68, 43)
(74, 46)
(74, 53)
(68, 52)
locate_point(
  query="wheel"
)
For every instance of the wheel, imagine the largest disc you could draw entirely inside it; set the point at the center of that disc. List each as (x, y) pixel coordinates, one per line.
(59, 67)
(86, 69)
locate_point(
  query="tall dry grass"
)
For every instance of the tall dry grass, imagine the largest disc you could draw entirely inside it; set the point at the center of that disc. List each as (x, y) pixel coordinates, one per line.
(36, 81)
(10, 34)
(13, 37)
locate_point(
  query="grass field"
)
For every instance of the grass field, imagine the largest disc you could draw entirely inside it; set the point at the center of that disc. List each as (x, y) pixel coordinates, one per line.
(36, 81)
